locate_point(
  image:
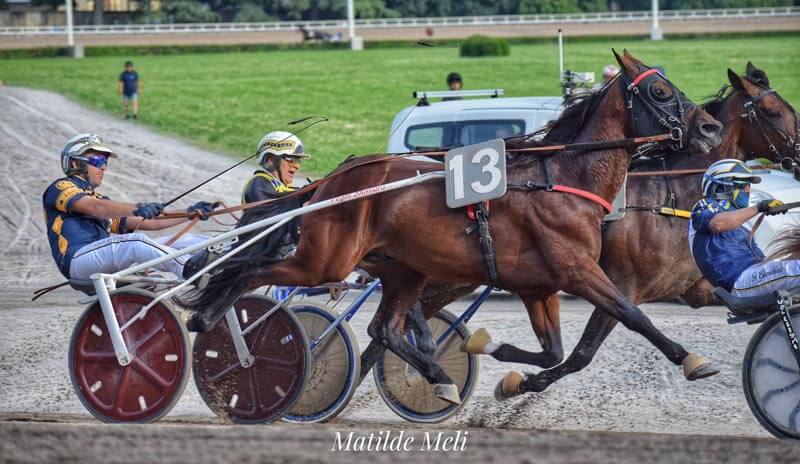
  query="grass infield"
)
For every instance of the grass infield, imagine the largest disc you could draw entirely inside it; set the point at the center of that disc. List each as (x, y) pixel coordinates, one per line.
(227, 101)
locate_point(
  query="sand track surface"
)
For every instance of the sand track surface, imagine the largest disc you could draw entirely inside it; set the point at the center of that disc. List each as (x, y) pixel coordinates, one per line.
(628, 388)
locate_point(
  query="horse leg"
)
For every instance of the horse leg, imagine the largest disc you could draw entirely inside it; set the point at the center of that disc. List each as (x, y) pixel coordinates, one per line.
(544, 317)
(595, 287)
(597, 330)
(422, 333)
(388, 326)
(700, 294)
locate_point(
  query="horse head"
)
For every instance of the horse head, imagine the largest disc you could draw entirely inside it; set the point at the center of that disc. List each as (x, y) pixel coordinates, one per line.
(771, 126)
(655, 106)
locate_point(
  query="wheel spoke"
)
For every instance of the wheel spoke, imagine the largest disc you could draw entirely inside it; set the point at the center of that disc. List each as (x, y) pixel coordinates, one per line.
(97, 356)
(123, 382)
(142, 344)
(777, 391)
(152, 376)
(772, 363)
(275, 362)
(224, 372)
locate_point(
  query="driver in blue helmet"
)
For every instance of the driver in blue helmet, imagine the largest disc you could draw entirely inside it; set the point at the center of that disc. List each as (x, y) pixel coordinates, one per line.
(80, 220)
(720, 243)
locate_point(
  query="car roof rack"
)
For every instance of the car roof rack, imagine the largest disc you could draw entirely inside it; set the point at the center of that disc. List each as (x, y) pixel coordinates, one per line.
(424, 95)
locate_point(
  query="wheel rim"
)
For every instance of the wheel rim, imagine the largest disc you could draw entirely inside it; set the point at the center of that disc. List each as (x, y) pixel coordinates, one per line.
(334, 368)
(262, 392)
(417, 402)
(775, 379)
(149, 386)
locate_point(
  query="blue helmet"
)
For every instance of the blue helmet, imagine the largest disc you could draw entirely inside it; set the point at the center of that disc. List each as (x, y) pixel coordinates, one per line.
(725, 176)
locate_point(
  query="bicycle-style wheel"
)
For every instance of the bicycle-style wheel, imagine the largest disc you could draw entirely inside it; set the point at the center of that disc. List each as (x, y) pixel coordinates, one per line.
(335, 367)
(266, 389)
(149, 387)
(771, 378)
(416, 401)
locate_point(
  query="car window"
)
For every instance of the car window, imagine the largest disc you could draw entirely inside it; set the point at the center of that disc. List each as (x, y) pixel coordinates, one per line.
(452, 134)
(429, 136)
(470, 132)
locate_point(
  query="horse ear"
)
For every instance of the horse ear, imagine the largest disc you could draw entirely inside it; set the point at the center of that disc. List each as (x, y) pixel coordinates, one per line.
(756, 75)
(735, 80)
(630, 57)
(625, 64)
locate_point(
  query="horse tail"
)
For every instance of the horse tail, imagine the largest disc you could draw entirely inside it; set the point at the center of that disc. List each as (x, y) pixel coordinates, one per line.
(787, 244)
(232, 279)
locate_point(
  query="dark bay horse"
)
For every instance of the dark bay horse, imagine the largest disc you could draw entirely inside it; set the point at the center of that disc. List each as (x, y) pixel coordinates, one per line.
(551, 241)
(647, 255)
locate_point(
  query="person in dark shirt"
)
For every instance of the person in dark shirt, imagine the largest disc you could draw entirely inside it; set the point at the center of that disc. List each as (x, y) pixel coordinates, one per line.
(129, 90)
(453, 83)
(79, 220)
(721, 245)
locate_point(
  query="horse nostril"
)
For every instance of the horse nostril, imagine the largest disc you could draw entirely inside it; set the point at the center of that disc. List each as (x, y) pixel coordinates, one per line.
(710, 129)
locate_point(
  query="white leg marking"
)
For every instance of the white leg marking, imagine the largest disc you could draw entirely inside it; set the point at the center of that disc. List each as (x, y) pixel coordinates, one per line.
(491, 347)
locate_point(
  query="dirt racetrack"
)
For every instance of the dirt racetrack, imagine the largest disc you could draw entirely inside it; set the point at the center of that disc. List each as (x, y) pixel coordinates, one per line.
(629, 388)
(696, 26)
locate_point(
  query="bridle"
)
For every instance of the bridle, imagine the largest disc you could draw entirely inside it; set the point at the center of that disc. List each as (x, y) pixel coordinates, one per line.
(756, 116)
(652, 111)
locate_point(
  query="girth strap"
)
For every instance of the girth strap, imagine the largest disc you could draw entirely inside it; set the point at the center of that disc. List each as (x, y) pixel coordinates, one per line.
(480, 213)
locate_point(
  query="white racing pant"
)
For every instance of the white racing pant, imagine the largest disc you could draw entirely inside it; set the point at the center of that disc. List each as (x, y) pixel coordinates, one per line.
(767, 277)
(120, 252)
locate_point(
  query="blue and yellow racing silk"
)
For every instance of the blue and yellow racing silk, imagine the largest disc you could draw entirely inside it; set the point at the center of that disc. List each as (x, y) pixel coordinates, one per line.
(720, 257)
(68, 231)
(262, 186)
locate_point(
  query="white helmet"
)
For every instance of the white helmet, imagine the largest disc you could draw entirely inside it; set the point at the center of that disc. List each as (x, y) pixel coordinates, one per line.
(721, 177)
(280, 143)
(77, 151)
(610, 71)
(68, 154)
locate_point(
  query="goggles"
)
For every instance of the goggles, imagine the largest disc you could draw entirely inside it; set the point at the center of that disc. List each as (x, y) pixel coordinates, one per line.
(98, 161)
(291, 159)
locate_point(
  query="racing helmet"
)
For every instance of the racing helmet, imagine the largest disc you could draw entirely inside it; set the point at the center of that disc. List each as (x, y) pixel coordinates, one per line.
(725, 176)
(78, 139)
(78, 151)
(280, 144)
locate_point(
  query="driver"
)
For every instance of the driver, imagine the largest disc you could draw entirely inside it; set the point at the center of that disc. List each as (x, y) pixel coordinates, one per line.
(80, 220)
(722, 246)
(279, 156)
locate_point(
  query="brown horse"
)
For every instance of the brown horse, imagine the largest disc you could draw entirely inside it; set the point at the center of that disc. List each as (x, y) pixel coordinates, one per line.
(551, 241)
(647, 255)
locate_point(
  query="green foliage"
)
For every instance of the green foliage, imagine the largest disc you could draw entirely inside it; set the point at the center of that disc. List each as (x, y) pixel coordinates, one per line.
(481, 45)
(186, 11)
(227, 101)
(252, 13)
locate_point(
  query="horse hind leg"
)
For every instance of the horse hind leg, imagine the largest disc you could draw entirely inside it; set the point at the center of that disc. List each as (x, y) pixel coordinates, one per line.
(400, 293)
(545, 321)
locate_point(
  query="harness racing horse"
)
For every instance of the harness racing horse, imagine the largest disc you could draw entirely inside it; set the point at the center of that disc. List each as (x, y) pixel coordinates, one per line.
(409, 235)
(647, 255)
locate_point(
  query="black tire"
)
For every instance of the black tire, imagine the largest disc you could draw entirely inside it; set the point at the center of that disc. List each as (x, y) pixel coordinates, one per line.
(771, 378)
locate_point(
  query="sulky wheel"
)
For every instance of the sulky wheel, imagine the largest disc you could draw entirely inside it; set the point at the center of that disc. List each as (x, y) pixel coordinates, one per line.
(335, 368)
(771, 378)
(266, 389)
(415, 401)
(146, 389)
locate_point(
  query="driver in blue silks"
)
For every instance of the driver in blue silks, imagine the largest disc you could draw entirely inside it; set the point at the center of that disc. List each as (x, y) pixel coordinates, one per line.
(722, 246)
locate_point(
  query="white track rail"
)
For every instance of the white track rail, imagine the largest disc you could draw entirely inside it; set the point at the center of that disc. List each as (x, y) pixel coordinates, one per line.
(388, 23)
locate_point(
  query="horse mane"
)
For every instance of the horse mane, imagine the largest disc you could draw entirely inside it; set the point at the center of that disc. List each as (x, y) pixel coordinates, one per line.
(713, 103)
(577, 111)
(786, 245)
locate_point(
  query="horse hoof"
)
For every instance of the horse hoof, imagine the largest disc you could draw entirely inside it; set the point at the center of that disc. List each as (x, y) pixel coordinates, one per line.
(698, 367)
(447, 392)
(509, 387)
(413, 377)
(476, 343)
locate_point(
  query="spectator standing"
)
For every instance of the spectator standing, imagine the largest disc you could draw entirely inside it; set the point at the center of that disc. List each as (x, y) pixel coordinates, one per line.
(129, 90)
(453, 83)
